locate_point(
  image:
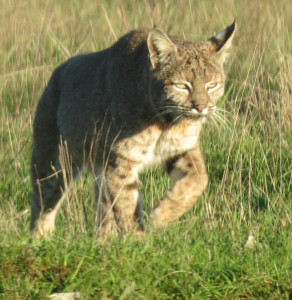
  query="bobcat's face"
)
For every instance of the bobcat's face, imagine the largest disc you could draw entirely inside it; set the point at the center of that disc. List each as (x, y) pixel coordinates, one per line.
(193, 90)
(190, 74)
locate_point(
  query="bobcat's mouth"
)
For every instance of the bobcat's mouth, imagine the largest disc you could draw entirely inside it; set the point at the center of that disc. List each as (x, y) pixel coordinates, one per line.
(198, 113)
(174, 113)
(203, 112)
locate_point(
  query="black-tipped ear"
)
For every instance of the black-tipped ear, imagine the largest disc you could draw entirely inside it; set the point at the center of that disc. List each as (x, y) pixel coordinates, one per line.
(159, 46)
(222, 41)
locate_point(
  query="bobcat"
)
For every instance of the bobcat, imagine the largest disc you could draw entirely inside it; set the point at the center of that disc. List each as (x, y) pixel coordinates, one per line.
(139, 103)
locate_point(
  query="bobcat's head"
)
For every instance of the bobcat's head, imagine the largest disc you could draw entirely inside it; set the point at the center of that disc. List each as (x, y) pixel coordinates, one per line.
(188, 75)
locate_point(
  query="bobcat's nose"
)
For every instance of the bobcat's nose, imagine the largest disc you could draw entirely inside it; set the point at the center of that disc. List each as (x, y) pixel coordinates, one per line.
(200, 107)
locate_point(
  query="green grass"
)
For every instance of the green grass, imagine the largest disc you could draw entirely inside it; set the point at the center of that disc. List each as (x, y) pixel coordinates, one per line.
(249, 161)
(195, 259)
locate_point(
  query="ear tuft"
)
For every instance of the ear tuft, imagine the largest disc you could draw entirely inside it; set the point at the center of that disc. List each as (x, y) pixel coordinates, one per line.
(222, 41)
(159, 46)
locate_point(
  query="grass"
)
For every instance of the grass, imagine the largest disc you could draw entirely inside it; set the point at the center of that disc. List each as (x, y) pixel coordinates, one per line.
(249, 160)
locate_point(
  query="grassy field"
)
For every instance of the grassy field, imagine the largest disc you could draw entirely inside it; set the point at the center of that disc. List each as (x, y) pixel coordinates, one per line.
(236, 243)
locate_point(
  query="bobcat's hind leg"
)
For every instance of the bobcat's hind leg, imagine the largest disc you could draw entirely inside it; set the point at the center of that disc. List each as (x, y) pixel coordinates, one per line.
(48, 192)
(47, 179)
(189, 173)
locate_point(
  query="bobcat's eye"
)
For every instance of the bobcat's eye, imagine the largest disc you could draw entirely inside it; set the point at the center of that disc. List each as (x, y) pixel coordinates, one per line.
(211, 86)
(182, 87)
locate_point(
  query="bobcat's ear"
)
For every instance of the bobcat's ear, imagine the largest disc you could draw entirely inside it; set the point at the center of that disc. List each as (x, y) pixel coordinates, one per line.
(221, 42)
(159, 46)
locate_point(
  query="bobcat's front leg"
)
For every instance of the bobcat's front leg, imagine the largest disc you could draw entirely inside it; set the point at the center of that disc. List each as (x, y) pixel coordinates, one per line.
(189, 172)
(120, 202)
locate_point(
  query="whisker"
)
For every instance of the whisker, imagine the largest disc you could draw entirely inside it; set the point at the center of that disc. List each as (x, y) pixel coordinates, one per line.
(222, 110)
(221, 116)
(177, 111)
(222, 121)
(175, 120)
(161, 113)
(214, 121)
